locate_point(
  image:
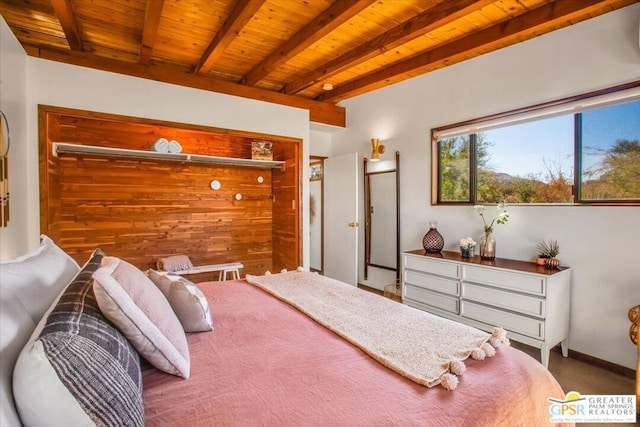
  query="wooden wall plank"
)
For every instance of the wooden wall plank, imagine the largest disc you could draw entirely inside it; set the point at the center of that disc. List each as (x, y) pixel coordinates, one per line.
(144, 210)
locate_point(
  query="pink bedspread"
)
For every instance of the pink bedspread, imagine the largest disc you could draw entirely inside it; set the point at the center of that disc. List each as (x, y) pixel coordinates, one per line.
(267, 364)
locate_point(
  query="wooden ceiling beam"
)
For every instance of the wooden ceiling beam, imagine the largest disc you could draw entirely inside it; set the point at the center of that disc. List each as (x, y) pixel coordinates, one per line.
(497, 36)
(64, 12)
(320, 112)
(152, 13)
(337, 14)
(431, 19)
(237, 19)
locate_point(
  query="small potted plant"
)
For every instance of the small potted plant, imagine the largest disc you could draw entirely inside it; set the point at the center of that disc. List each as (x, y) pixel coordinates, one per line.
(466, 247)
(548, 250)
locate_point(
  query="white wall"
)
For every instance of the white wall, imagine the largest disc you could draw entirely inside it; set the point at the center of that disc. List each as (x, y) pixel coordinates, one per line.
(14, 238)
(70, 86)
(597, 242)
(320, 143)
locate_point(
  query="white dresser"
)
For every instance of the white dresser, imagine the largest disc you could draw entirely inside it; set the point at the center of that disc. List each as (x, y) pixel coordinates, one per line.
(530, 302)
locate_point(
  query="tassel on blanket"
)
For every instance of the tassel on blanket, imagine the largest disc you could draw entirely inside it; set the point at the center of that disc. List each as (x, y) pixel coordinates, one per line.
(499, 336)
(457, 367)
(485, 350)
(478, 354)
(449, 381)
(488, 349)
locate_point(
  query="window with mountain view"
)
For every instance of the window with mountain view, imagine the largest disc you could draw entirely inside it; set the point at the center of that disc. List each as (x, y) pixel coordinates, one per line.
(610, 153)
(536, 161)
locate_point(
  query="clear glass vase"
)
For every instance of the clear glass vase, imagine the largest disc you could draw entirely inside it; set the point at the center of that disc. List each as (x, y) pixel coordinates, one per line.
(433, 241)
(487, 246)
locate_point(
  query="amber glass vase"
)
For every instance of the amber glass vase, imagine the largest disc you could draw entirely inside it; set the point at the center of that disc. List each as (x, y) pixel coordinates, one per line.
(487, 245)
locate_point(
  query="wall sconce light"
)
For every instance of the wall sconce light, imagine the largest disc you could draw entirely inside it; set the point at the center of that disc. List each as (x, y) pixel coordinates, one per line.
(376, 149)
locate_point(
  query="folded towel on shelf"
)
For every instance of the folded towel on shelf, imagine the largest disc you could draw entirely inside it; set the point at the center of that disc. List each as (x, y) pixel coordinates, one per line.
(161, 146)
(174, 147)
(174, 263)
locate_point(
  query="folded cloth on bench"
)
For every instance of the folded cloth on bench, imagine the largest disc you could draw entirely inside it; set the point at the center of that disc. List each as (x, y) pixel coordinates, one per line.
(174, 263)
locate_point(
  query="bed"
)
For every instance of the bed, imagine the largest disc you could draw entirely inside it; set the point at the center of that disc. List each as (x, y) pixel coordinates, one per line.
(267, 363)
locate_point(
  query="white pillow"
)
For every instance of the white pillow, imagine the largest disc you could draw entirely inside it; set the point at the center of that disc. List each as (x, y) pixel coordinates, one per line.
(16, 326)
(38, 277)
(139, 310)
(187, 301)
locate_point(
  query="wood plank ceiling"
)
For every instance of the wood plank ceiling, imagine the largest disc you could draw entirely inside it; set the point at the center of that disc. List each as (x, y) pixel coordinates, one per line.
(284, 51)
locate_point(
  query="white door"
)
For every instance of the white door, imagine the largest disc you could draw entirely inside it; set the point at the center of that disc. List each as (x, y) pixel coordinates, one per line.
(341, 218)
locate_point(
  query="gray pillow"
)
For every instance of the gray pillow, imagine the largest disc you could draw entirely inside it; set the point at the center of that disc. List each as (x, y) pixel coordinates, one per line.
(187, 301)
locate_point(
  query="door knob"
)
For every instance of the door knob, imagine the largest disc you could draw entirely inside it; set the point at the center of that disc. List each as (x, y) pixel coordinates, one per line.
(353, 224)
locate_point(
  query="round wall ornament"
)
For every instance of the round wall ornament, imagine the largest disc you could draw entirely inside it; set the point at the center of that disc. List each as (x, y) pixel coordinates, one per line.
(215, 184)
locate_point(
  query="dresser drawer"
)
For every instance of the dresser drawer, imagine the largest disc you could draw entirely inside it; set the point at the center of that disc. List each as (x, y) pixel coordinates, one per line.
(423, 263)
(434, 283)
(422, 298)
(494, 317)
(529, 283)
(519, 303)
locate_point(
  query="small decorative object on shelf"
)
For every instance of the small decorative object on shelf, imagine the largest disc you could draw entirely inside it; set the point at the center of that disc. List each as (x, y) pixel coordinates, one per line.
(487, 243)
(262, 150)
(548, 250)
(433, 241)
(467, 246)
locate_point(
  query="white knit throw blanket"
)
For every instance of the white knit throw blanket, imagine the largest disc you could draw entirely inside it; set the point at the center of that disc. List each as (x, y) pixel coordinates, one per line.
(425, 348)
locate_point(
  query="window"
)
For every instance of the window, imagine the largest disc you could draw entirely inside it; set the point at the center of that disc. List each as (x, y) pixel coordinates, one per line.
(610, 153)
(582, 150)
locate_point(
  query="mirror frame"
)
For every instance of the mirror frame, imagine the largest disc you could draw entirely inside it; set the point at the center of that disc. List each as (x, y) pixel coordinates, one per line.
(367, 216)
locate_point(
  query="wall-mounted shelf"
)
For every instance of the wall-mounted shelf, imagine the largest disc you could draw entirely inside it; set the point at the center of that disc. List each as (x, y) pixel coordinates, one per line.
(62, 148)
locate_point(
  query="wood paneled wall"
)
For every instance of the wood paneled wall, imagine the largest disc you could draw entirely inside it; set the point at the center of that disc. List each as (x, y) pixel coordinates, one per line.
(142, 210)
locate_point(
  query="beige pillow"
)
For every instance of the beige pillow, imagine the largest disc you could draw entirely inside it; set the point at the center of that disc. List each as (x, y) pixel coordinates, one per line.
(139, 310)
(187, 301)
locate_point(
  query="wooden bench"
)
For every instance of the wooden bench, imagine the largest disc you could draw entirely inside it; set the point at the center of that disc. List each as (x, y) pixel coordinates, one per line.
(224, 269)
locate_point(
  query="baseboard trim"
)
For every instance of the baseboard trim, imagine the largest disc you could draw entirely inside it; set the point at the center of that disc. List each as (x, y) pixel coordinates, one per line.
(601, 363)
(370, 289)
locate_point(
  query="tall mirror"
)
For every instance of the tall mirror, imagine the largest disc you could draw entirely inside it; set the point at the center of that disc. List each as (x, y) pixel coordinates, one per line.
(382, 215)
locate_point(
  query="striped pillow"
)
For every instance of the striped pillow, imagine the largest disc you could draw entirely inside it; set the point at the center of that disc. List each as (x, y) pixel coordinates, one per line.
(79, 369)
